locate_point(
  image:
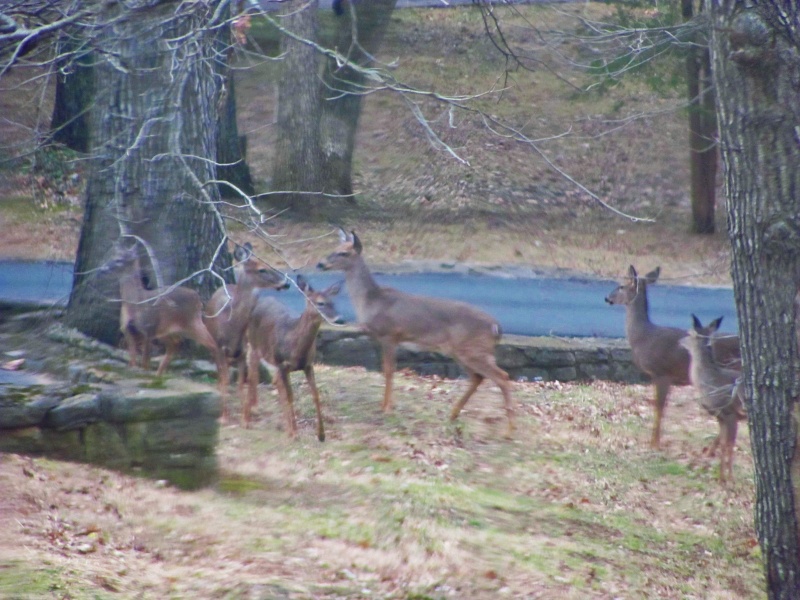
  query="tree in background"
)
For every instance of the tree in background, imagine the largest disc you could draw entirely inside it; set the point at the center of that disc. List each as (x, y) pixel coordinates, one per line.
(629, 44)
(702, 121)
(756, 55)
(359, 30)
(297, 167)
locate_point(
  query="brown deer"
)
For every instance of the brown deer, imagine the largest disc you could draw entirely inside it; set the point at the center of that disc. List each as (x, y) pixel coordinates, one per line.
(720, 389)
(393, 317)
(288, 344)
(164, 314)
(228, 311)
(655, 348)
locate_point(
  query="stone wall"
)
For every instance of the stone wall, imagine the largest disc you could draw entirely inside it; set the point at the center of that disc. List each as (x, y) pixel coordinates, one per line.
(169, 433)
(562, 359)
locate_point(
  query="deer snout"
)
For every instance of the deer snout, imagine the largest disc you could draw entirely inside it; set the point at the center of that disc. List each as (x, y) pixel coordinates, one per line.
(322, 265)
(608, 300)
(339, 320)
(284, 285)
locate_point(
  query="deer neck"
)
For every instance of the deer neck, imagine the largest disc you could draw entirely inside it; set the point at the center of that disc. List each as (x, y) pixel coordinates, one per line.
(637, 315)
(306, 328)
(360, 285)
(131, 290)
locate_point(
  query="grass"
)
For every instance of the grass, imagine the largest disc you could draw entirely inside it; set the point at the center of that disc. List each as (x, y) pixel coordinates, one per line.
(410, 505)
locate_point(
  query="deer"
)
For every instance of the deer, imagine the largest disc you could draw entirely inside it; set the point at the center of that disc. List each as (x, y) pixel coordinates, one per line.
(655, 348)
(720, 389)
(287, 344)
(164, 314)
(229, 309)
(392, 317)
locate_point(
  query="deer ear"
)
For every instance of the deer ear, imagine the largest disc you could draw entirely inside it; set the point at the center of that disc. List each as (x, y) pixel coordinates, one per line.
(652, 276)
(343, 236)
(631, 272)
(714, 325)
(241, 253)
(696, 323)
(334, 289)
(356, 243)
(302, 284)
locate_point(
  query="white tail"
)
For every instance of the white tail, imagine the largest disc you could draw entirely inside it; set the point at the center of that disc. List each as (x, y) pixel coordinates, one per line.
(721, 393)
(656, 350)
(228, 311)
(288, 344)
(393, 317)
(161, 314)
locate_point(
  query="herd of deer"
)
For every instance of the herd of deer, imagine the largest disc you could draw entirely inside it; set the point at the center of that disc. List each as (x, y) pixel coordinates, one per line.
(238, 325)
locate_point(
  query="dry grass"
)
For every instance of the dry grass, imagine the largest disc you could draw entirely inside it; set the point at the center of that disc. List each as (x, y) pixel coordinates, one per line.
(405, 505)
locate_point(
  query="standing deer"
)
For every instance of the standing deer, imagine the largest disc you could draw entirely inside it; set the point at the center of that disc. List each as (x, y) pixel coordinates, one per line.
(655, 348)
(721, 393)
(288, 344)
(393, 317)
(163, 314)
(230, 307)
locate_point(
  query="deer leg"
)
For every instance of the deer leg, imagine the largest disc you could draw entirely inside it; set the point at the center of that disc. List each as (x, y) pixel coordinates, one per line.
(241, 373)
(728, 430)
(312, 384)
(249, 403)
(389, 364)
(475, 381)
(170, 347)
(286, 398)
(662, 390)
(200, 333)
(132, 345)
(146, 345)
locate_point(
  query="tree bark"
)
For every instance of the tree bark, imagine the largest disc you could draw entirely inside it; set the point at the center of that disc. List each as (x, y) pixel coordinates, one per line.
(757, 75)
(359, 33)
(702, 130)
(153, 140)
(297, 167)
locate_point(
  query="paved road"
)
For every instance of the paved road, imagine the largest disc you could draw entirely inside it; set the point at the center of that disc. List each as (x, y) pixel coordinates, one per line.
(524, 305)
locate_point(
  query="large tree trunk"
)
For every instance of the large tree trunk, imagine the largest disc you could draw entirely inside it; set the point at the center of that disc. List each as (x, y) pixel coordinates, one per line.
(702, 131)
(153, 141)
(343, 87)
(757, 73)
(297, 167)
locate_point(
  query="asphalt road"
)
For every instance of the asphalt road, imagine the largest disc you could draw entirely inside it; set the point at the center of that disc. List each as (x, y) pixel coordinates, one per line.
(524, 305)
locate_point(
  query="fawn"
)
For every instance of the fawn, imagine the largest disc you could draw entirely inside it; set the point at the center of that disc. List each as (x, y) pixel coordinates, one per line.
(721, 392)
(288, 344)
(164, 314)
(228, 311)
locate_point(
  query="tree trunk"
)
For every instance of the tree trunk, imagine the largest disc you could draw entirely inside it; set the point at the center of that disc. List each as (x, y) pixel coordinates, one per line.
(702, 131)
(757, 74)
(297, 167)
(342, 88)
(153, 144)
(74, 89)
